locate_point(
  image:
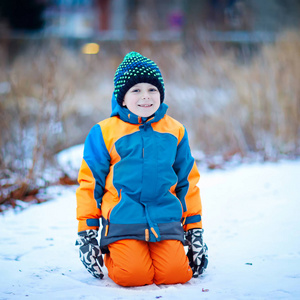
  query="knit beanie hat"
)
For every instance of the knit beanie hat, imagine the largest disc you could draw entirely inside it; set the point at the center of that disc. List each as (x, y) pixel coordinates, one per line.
(136, 68)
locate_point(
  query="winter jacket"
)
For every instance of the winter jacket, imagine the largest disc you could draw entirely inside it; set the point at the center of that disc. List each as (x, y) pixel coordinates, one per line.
(139, 178)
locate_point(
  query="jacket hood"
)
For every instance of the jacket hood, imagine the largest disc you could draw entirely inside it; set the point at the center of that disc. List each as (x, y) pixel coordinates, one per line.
(127, 116)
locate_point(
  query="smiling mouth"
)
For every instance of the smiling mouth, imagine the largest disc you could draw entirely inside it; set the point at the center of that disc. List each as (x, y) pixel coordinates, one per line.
(145, 105)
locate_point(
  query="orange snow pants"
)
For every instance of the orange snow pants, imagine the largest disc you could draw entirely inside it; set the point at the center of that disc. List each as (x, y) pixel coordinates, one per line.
(137, 263)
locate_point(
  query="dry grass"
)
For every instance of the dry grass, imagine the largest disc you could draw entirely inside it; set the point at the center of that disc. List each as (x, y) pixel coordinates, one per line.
(254, 106)
(268, 94)
(31, 117)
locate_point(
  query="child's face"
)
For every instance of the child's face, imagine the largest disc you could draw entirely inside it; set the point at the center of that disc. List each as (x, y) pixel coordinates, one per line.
(143, 99)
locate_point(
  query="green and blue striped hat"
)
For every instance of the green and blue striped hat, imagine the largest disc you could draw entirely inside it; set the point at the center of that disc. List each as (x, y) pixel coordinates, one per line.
(136, 68)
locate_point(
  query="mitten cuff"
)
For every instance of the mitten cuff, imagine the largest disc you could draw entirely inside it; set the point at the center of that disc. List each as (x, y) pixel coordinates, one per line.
(87, 236)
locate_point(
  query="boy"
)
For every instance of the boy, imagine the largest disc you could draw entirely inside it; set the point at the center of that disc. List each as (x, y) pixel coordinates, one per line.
(139, 177)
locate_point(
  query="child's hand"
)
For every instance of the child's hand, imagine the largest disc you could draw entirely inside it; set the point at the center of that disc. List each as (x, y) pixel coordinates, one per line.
(90, 253)
(197, 251)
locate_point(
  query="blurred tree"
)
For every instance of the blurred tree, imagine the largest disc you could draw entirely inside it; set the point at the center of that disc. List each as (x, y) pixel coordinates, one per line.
(23, 14)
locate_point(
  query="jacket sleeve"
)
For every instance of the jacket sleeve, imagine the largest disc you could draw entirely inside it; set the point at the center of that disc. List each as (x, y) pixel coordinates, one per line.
(91, 178)
(186, 189)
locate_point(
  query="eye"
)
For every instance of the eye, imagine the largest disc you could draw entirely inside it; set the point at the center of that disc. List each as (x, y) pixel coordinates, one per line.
(135, 90)
(153, 89)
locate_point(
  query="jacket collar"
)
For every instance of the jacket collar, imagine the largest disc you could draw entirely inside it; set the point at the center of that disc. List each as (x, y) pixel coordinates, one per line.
(127, 116)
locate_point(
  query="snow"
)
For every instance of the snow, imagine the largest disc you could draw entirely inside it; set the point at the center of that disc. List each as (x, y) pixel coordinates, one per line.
(251, 221)
(70, 160)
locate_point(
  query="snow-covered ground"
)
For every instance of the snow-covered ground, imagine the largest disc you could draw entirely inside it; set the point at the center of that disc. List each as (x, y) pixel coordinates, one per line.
(251, 220)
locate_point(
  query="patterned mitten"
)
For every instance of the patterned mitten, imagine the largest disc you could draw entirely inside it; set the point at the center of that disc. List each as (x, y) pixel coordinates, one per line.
(197, 251)
(89, 252)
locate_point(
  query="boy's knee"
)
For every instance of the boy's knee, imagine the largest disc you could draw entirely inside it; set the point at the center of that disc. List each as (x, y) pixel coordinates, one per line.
(132, 277)
(129, 263)
(173, 274)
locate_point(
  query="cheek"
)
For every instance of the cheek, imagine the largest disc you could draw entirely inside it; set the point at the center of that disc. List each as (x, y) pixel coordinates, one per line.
(130, 104)
(158, 100)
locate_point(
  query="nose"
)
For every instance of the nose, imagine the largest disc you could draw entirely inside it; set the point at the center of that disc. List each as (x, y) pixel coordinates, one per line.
(145, 95)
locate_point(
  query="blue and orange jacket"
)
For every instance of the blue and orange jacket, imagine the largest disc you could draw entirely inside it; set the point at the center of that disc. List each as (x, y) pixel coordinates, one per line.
(139, 178)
